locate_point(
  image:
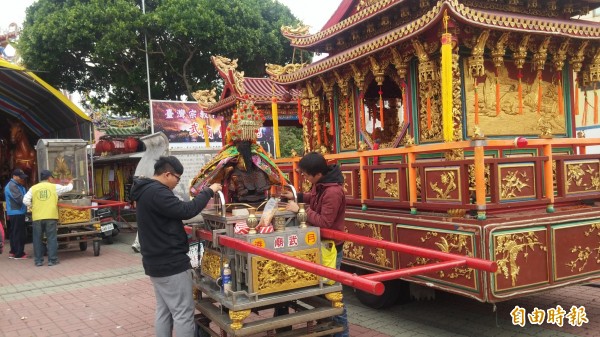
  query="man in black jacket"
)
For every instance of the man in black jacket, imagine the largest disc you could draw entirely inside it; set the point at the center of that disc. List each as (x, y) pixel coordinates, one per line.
(164, 244)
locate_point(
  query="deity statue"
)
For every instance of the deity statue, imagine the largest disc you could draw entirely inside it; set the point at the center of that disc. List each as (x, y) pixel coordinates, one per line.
(243, 166)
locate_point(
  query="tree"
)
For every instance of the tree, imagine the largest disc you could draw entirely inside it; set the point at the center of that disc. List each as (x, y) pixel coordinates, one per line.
(98, 45)
(290, 138)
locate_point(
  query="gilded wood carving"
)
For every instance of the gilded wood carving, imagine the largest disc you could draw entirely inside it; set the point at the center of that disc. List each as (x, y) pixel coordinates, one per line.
(509, 247)
(584, 253)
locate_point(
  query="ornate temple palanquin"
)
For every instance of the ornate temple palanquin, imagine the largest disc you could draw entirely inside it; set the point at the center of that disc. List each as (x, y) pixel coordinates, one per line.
(454, 122)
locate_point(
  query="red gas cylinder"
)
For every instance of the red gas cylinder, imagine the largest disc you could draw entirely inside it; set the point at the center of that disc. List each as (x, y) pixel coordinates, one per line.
(130, 145)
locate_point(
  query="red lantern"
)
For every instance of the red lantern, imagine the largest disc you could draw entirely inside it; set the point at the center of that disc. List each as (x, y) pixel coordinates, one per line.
(110, 146)
(99, 148)
(130, 145)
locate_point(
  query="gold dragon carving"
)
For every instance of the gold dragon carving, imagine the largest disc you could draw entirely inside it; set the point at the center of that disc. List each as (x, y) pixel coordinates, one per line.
(355, 252)
(205, 98)
(299, 30)
(225, 65)
(512, 183)
(509, 247)
(448, 179)
(272, 275)
(449, 243)
(275, 70)
(583, 254)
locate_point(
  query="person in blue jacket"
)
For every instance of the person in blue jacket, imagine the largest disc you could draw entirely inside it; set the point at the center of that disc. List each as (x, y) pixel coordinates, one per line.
(164, 244)
(16, 210)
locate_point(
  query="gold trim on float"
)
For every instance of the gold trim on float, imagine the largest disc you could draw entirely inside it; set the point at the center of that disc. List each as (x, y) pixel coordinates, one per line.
(511, 245)
(450, 180)
(269, 276)
(388, 186)
(574, 172)
(211, 264)
(515, 181)
(355, 252)
(455, 242)
(581, 255)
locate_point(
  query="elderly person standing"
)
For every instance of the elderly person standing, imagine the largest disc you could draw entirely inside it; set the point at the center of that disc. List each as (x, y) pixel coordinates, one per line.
(14, 192)
(43, 199)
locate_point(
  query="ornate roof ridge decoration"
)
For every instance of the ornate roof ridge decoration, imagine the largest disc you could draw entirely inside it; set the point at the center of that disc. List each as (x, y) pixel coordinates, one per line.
(275, 70)
(501, 21)
(205, 98)
(377, 6)
(259, 90)
(292, 32)
(362, 4)
(227, 68)
(362, 15)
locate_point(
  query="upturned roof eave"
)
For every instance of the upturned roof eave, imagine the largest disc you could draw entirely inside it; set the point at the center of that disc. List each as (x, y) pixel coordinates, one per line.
(476, 17)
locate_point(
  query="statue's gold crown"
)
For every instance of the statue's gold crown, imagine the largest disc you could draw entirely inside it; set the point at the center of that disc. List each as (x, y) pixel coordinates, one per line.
(246, 121)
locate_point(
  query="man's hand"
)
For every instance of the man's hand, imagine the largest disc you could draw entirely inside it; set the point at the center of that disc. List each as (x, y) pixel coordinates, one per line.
(216, 187)
(288, 195)
(292, 206)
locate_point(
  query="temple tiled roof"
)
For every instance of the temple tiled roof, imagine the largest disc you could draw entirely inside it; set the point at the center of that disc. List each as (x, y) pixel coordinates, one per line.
(347, 17)
(576, 29)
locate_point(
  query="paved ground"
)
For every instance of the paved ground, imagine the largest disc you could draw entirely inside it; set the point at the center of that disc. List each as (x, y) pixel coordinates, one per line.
(109, 295)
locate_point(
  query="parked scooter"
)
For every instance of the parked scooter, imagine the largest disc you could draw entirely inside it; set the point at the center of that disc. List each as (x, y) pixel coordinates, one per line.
(108, 226)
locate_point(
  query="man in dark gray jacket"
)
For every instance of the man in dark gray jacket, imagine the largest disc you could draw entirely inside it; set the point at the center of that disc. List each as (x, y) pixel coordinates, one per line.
(164, 244)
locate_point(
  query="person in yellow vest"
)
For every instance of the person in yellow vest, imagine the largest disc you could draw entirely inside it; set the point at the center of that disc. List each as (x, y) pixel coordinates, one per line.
(43, 200)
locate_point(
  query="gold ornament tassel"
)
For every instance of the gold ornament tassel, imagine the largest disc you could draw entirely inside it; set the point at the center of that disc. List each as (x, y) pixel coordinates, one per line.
(595, 105)
(347, 116)
(585, 110)
(560, 96)
(331, 117)
(447, 122)
(576, 96)
(275, 124)
(497, 93)
(520, 92)
(381, 106)
(404, 102)
(476, 101)
(205, 129)
(539, 98)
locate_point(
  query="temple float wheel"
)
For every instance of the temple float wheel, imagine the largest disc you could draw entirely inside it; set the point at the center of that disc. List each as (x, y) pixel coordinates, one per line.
(395, 290)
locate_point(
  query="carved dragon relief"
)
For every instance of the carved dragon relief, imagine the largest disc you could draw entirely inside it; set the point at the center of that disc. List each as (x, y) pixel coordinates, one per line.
(299, 30)
(205, 98)
(275, 70)
(226, 65)
(476, 67)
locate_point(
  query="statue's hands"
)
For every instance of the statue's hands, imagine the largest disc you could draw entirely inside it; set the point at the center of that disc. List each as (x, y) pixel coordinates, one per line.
(288, 195)
(292, 206)
(216, 187)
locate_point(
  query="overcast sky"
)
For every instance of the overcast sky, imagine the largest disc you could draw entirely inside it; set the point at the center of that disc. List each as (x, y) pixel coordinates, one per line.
(312, 12)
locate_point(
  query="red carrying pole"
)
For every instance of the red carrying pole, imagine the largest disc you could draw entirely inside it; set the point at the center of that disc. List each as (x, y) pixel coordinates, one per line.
(354, 281)
(417, 270)
(472, 262)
